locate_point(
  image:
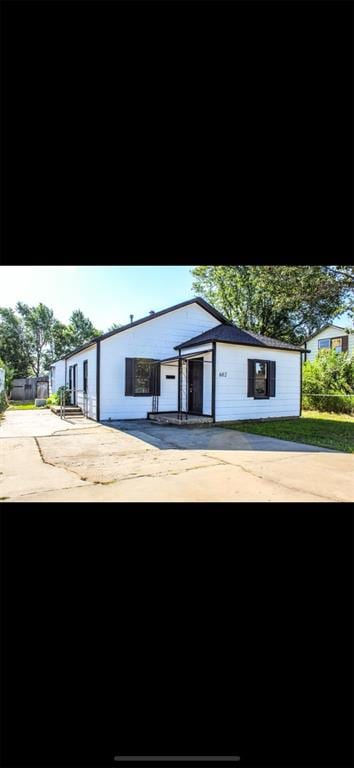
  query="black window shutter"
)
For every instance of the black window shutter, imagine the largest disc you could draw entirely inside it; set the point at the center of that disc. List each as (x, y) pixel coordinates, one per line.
(129, 366)
(250, 387)
(344, 343)
(271, 369)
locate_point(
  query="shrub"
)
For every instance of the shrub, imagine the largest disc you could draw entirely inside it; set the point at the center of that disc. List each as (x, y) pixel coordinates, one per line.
(330, 375)
(3, 402)
(330, 404)
(9, 376)
(53, 399)
(67, 395)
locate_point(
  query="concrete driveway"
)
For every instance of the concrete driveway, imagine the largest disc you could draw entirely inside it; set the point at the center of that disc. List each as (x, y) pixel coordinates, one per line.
(45, 459)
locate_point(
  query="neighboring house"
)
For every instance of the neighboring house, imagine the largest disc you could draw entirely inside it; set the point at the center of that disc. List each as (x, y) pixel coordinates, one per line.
(187, 358)
(329, 337)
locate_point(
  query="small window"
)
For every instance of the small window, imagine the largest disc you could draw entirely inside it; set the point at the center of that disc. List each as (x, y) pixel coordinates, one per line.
(85, 376)
(324, 343)
(261, 379)
(142, 377)
(336, 344)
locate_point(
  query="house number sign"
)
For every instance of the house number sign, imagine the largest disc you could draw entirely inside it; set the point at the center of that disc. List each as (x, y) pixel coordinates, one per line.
(222, 373)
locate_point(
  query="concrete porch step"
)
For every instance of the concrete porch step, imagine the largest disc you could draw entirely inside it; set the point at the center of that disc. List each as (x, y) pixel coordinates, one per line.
(70, 410)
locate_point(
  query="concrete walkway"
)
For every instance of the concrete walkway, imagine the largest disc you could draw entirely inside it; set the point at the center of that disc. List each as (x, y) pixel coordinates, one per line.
(45, 459)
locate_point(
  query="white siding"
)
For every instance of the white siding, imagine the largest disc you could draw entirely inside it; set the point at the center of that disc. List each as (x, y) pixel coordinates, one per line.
(78, 359)
(58, 376)
(194, 350)
(154, 339)
(231, 390)
(168, 400)
(328, 333)
(351, 343)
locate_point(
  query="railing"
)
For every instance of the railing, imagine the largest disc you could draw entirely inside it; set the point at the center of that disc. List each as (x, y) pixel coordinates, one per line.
(74, 392)
(155, 386)
(62, 403)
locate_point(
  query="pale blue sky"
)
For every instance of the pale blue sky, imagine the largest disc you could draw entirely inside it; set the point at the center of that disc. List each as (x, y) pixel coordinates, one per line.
(105, 294)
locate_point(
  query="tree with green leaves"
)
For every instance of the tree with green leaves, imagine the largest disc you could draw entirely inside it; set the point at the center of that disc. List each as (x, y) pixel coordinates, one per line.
(61, 344)
(14, 349)
(114, 327)
(38, 324)
(81, 329)
(31, 338)
(9, 376)
(284, 302)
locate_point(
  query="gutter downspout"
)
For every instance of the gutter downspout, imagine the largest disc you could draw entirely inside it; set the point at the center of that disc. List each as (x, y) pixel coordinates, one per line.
(213, 382)
(98, 379)
(179, 382)
(301, 354)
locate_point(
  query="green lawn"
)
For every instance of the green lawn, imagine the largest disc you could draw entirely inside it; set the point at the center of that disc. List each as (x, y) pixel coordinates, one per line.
(25, 407)
(328, 430)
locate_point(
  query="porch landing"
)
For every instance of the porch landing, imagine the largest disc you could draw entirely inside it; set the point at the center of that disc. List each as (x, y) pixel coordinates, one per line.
(182, 420)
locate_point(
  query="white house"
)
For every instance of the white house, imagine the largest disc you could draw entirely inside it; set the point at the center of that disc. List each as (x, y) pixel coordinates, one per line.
(330, 337)
(186, 359)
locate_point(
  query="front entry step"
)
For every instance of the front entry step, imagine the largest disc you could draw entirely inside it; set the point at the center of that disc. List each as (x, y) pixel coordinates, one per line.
(70, 410)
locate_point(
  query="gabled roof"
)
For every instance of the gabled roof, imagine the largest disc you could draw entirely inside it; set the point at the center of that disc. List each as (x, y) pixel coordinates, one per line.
(197, 300)
(329, 325)
(231, 334)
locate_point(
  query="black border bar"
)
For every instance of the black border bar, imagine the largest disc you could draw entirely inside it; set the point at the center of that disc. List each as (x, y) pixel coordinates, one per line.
(177, 758)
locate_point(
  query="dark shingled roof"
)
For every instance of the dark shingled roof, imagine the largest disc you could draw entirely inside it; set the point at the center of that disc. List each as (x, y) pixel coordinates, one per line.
(231, 334)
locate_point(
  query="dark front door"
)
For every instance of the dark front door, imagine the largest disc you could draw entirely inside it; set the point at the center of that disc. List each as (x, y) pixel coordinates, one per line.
(73, 383)
(195, 386)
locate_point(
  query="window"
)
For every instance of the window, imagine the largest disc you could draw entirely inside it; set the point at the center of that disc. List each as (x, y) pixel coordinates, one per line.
(85, 376)
(142, 377)
(336, 344)
(261, 379)
(339, 344)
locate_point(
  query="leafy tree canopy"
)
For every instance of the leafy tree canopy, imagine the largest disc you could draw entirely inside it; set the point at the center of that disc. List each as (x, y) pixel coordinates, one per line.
(114, 327)
(38, 323)
(14, 350)
(283, 302)
(31, 338)
(81, 329)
